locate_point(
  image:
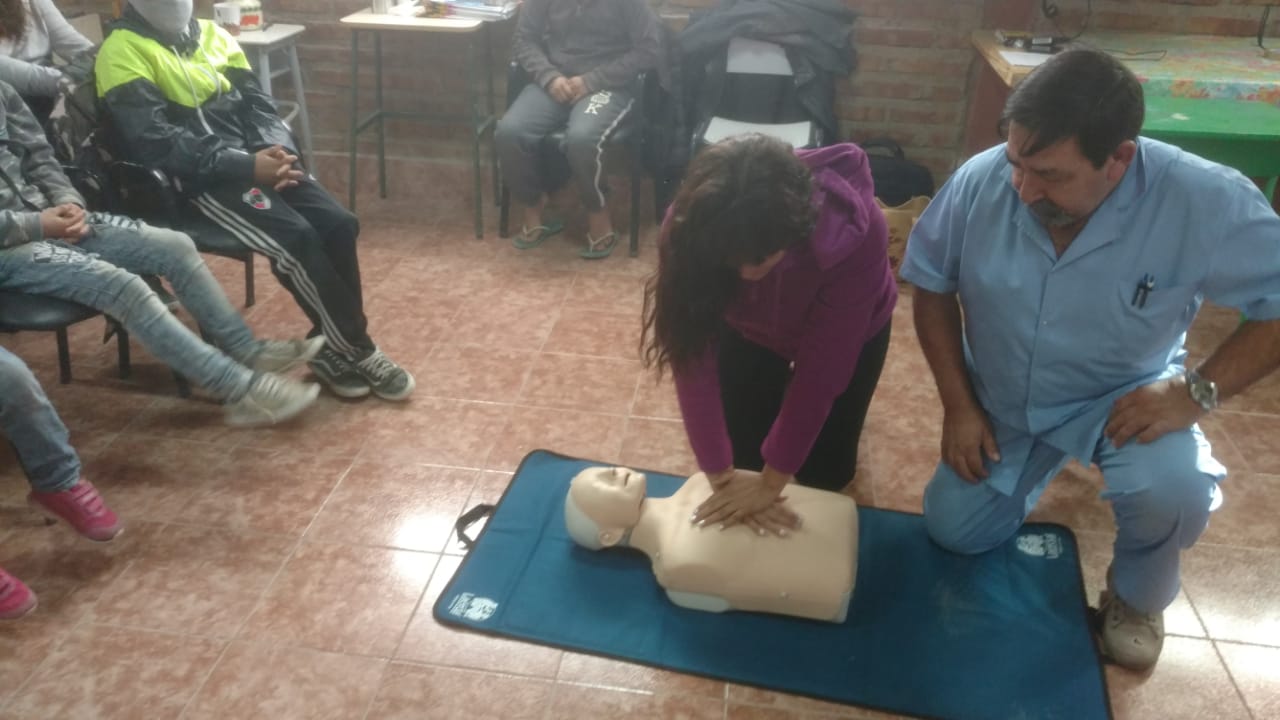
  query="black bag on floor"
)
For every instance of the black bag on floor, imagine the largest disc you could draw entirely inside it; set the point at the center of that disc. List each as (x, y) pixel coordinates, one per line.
(897, 179)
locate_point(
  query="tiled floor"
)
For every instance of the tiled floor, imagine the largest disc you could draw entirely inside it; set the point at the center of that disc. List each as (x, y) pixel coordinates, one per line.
(289, 573)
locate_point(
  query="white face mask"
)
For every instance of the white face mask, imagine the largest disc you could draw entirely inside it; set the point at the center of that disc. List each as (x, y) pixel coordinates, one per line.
(170, 17)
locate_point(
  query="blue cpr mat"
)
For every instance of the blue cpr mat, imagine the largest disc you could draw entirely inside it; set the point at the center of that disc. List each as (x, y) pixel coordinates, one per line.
(930, 634)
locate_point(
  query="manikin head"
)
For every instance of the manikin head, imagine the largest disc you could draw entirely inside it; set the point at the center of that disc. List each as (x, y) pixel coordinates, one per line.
(170, 17)
(602, 505)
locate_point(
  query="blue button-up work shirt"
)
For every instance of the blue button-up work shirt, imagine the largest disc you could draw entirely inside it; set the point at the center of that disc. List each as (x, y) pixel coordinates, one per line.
(1052, 342)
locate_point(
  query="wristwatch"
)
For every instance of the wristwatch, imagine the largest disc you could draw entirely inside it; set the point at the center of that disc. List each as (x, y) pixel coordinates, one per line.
(1203, 391)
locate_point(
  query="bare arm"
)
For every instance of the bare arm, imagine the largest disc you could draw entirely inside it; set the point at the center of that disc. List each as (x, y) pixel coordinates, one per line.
(1251, 353)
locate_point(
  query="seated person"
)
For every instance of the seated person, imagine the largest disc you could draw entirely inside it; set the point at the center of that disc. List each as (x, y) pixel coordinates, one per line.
(182, 99)
(50, 246)
(808, 572)
(31, 33)
(28, 421)
(583, 58)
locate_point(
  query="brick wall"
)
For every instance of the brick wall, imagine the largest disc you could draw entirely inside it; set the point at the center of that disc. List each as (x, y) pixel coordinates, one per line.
(913, 81)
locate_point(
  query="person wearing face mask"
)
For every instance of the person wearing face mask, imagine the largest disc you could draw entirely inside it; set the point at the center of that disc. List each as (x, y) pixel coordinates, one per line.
(181, 97)
(771, 306)
(1056, 276)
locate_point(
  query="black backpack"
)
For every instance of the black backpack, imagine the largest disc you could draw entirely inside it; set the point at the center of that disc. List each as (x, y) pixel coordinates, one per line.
(896, 178)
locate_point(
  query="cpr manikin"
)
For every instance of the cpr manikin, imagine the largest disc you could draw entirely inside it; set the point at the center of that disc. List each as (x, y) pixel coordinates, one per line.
(808, 573)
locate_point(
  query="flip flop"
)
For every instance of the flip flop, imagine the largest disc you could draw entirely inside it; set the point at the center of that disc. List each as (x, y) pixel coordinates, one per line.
(531, 237)
(599, 248)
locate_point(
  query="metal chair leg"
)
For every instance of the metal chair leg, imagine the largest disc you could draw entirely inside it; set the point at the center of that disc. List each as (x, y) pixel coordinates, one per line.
(636, 178)
(504, 211)
(64, 356)
(249, 297)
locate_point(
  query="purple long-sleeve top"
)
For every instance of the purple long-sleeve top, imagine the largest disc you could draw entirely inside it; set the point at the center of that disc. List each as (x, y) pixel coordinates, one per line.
(817, 308)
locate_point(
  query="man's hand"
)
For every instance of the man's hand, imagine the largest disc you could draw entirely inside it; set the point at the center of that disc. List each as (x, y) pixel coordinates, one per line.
(966, 438)
(750, 498)
(561, 90)
(577, 89)
(1152, 411)
(64, 222)
(274, 166)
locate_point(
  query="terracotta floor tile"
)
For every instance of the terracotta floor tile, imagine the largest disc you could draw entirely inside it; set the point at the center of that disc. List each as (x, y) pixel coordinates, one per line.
(275, 682)
(472, 372)
(523, 326)
(1072, 500)
(271, 492)
(151, 478)
(342, 598)
(200, 581)
(1255, 437)
(578, 701)
(596, 671)
(598, 291)
(195, 418)
(409, 691)
(410, 507)
(656, 398)
(436, 431)
(427, 641)
(104, 672)
(660, 445)
(332, 426)
(576, 382)
(1235, 591)
(571, 432)
(1256, 671)
(757, 703)
(526, 288)
(583, 331)
(1189, 683)
(1249, 512)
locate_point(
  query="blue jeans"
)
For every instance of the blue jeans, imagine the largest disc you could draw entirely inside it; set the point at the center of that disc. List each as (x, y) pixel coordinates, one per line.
(31, 425)
(99, 272)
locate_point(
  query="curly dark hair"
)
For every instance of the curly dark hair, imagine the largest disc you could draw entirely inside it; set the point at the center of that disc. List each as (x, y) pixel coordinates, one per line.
(13, 20)
(743, 200)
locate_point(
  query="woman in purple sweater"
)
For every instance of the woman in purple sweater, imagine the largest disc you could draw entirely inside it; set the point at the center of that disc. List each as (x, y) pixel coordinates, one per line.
(771, 307)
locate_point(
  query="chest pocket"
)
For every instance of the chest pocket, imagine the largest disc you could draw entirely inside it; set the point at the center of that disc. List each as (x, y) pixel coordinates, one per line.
(1138, 332)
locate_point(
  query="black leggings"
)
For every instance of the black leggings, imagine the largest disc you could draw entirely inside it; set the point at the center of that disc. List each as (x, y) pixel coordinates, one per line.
(753, 380)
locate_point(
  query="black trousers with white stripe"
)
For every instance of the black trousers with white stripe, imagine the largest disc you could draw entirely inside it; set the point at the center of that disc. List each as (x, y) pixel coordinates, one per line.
(310, 241)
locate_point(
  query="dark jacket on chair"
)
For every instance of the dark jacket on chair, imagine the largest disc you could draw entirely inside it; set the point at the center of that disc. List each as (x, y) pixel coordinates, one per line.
(814, 33)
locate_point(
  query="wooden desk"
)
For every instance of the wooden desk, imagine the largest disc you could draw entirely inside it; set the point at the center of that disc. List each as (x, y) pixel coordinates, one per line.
(1214, 96)
(480, 122)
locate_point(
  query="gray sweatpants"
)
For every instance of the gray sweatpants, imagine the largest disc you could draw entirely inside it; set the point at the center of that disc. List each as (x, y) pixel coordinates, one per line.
(533, 116)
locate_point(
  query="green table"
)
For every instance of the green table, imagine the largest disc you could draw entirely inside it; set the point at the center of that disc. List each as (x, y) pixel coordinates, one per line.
(1241, 134)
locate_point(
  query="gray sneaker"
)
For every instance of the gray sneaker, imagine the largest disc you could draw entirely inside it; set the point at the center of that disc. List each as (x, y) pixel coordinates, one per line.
(339, 374)
(281, 356)
(388, 380)
(271, 399)
(1130, 637)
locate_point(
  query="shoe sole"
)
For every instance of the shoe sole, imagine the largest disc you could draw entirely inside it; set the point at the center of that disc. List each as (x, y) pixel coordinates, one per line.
(402, 395)
(350, 393)
(51, 515)
(288, 413)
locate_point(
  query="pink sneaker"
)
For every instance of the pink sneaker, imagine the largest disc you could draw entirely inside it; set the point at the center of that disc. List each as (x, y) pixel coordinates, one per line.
(82, 508)
(16, 599)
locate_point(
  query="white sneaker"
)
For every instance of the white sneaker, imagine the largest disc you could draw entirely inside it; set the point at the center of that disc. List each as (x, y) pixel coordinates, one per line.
(1133, 639)
(281, 356)
(271, 399)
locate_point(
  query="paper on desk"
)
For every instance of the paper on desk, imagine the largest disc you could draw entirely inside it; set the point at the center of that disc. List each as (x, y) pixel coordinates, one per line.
(1023, 59)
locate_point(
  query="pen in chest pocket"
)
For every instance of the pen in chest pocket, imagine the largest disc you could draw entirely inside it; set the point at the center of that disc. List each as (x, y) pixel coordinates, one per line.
(1143, 289)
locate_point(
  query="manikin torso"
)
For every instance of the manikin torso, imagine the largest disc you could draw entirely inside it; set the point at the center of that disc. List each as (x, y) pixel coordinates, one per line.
(808, 573)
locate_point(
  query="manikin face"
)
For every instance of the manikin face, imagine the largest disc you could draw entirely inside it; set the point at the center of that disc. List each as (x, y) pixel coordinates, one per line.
(611, 497)
(1059, 184)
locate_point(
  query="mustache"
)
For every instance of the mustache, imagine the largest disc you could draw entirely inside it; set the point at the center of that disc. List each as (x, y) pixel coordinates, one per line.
(1051, 214)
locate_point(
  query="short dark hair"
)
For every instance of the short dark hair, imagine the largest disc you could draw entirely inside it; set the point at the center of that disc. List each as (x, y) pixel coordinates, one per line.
(743, 200)
(1083, 93)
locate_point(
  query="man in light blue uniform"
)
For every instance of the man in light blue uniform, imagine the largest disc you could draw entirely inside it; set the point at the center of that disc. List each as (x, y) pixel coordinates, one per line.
(1080, 254)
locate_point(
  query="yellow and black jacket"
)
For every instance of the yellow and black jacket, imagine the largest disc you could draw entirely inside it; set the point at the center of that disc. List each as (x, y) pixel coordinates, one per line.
(192, 108)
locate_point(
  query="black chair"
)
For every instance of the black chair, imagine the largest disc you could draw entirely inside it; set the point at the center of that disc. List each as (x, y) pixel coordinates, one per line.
(20, 312)
(757, 94)
(629, 135)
